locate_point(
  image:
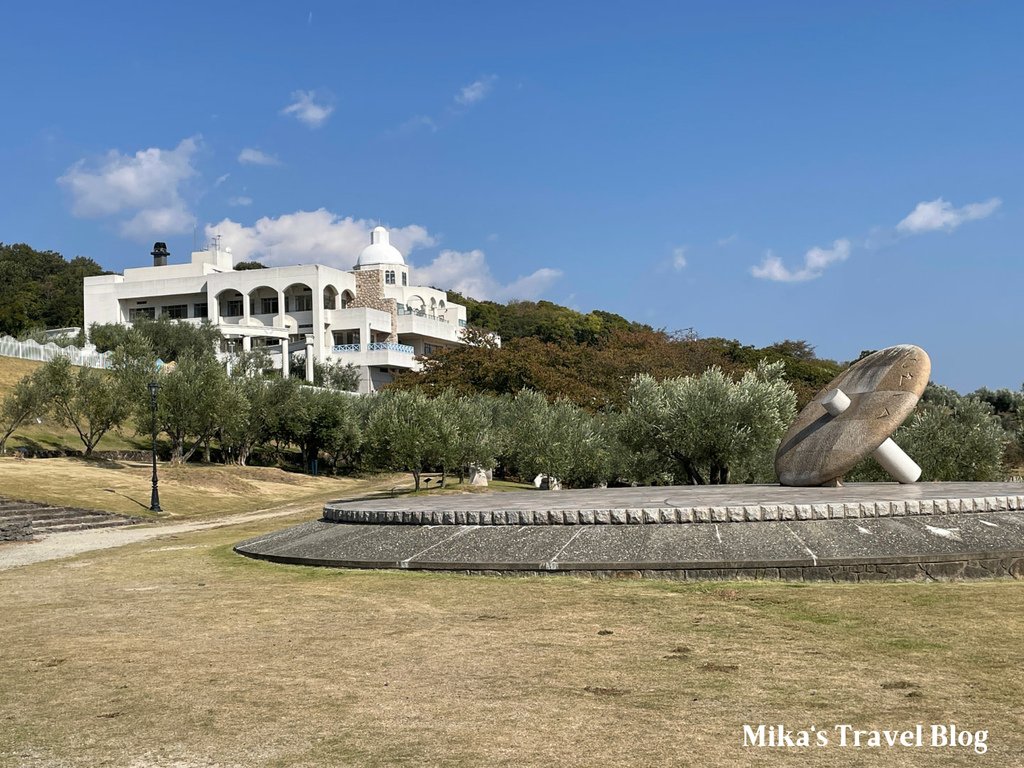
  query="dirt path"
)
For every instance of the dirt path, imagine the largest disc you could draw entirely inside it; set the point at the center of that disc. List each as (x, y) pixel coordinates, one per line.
(54, 546)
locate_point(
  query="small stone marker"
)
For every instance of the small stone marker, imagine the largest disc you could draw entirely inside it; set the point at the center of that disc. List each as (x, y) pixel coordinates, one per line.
(853, 417)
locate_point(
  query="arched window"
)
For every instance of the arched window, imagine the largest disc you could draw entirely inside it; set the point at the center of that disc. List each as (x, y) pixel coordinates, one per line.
(389, 277)
(405, 278)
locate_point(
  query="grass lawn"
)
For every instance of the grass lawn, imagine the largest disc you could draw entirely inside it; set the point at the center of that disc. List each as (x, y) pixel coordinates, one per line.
(189, 491)
(177, 652)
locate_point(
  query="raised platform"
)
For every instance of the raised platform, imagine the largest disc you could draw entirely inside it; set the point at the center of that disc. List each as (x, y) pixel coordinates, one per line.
(857, 532)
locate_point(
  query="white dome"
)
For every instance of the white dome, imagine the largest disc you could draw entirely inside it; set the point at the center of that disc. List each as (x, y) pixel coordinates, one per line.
(379, 251)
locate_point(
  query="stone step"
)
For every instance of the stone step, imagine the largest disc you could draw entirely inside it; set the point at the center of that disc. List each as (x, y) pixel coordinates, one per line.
(56, 513)
(41, 524)
(9, 507)
(83, 526)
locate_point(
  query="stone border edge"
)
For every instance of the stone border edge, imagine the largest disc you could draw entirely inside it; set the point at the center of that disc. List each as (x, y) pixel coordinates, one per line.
(928, 568)
(750, 513)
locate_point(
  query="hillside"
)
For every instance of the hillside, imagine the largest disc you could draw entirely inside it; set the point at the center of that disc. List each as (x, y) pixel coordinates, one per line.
(40, 289)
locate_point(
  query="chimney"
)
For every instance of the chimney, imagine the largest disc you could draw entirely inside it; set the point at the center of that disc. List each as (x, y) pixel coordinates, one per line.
(160, 254)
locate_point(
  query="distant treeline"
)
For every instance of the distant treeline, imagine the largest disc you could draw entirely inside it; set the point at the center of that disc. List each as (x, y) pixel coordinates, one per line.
(40, 289)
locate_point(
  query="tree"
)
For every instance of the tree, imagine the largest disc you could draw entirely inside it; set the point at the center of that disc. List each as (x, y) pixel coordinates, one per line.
(86, 399)
(336, 375)
(244, 265)
(401, 432)
(963, 441)
(40, 288)
(170, 339)
(191, 403)
(26, 401)
(478, 435)
(706, 427)
(556, 439)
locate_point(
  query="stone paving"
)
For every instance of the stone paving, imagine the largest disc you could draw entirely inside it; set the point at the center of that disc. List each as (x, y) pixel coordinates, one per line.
(938, 531)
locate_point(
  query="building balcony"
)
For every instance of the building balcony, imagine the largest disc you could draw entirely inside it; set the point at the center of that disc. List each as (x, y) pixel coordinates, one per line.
(425, 325)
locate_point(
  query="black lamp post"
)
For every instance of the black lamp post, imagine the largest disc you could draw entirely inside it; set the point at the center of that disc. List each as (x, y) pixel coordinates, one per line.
(154, 499)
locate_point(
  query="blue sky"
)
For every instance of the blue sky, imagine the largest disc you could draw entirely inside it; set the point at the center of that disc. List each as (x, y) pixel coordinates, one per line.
(848, 174)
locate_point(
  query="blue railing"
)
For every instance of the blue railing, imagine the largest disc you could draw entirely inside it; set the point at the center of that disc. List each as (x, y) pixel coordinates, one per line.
(346, 348)
(389, 346)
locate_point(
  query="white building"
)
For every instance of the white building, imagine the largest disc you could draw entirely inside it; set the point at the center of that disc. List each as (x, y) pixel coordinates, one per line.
(370, 316)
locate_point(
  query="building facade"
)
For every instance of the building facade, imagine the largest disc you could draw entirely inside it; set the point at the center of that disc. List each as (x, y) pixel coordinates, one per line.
(370, 316)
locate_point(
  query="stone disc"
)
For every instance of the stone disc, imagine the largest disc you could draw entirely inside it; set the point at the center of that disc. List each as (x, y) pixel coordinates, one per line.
(883, 389)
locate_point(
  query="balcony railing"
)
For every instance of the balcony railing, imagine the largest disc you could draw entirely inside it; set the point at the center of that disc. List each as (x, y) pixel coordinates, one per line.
(420, 313)
(376, 346)
(389, 346)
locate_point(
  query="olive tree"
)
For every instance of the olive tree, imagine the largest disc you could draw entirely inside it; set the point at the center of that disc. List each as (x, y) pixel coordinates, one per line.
(86, 399)
(557, 439)
(402, 432)
(26, 401)
(707, 428)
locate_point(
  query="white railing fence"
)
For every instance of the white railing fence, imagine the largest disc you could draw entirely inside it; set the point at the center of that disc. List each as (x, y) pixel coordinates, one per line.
(30, 350)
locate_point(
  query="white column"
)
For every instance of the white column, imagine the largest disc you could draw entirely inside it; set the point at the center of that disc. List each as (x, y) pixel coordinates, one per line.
(285, 358)
(309, 359)
(280, 309)
(214, 305)
(246, 308)
(247, 343)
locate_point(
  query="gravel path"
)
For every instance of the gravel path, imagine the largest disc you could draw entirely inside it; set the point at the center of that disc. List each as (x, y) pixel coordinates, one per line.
(55, 546)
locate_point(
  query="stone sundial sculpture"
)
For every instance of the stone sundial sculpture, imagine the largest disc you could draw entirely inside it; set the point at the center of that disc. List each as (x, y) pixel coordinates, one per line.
(853, 417)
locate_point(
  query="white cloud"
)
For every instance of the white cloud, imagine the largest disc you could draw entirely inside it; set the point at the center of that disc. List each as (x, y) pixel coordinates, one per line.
(468, 273)
(240, 200)
(816, 261)
(679, 258)
(146, 185)
(940, 214)
(724, 241)
(305, 109)
(250, 156)
(308, 237)
(475, 91)
(221, 179)
(416, 123)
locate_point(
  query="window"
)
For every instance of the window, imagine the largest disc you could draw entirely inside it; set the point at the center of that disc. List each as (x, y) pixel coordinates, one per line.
(175, 311)
(268, 305)
(199, 310)
(429, 349)
(389, 277)
(301, 303)
(136, 312)
(233, 308)
(405, 278)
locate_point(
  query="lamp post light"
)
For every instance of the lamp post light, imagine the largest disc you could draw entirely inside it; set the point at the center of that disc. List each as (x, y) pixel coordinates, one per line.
(154, 499)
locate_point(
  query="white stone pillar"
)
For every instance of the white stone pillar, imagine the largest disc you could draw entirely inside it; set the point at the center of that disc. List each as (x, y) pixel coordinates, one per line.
(247, 343)
(280, 309)
(285, 358)
(214, 304)
(246, 308)
(309, 359)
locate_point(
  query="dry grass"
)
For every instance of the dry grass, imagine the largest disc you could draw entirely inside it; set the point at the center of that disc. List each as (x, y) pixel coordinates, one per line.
(178, 652)
(188, 491)
(13, 370)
